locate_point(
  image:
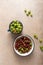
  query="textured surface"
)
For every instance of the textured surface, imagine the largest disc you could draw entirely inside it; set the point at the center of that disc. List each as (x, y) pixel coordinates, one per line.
(14, 9)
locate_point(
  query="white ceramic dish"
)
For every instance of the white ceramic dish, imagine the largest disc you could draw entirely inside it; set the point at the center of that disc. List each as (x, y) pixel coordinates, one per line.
(28, 53)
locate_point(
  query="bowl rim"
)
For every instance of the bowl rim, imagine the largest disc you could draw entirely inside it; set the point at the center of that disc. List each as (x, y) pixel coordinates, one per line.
(30, 51)
(20, 23)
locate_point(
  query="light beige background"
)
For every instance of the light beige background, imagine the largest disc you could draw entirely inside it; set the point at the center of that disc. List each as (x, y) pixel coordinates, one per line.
(14, 9)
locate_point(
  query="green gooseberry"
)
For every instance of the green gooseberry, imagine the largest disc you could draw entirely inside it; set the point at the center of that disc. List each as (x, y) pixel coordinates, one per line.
(35, 36)
(22, 49)
(15, 21)
(27, 49)
(20, 29)
(17, 30)
(25, 10)
(20, 52)
(41, 48)
(12, 24)
(30, 44)
(11, 28)
(15, 25)
(19, 26)
(40, 40)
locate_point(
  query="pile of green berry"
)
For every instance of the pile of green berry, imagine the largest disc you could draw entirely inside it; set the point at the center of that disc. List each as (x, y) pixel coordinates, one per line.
(40, 40)
(16, 26)
(28, 13)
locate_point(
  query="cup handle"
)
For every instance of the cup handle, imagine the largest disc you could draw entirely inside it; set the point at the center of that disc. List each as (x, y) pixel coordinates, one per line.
(8, 30)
